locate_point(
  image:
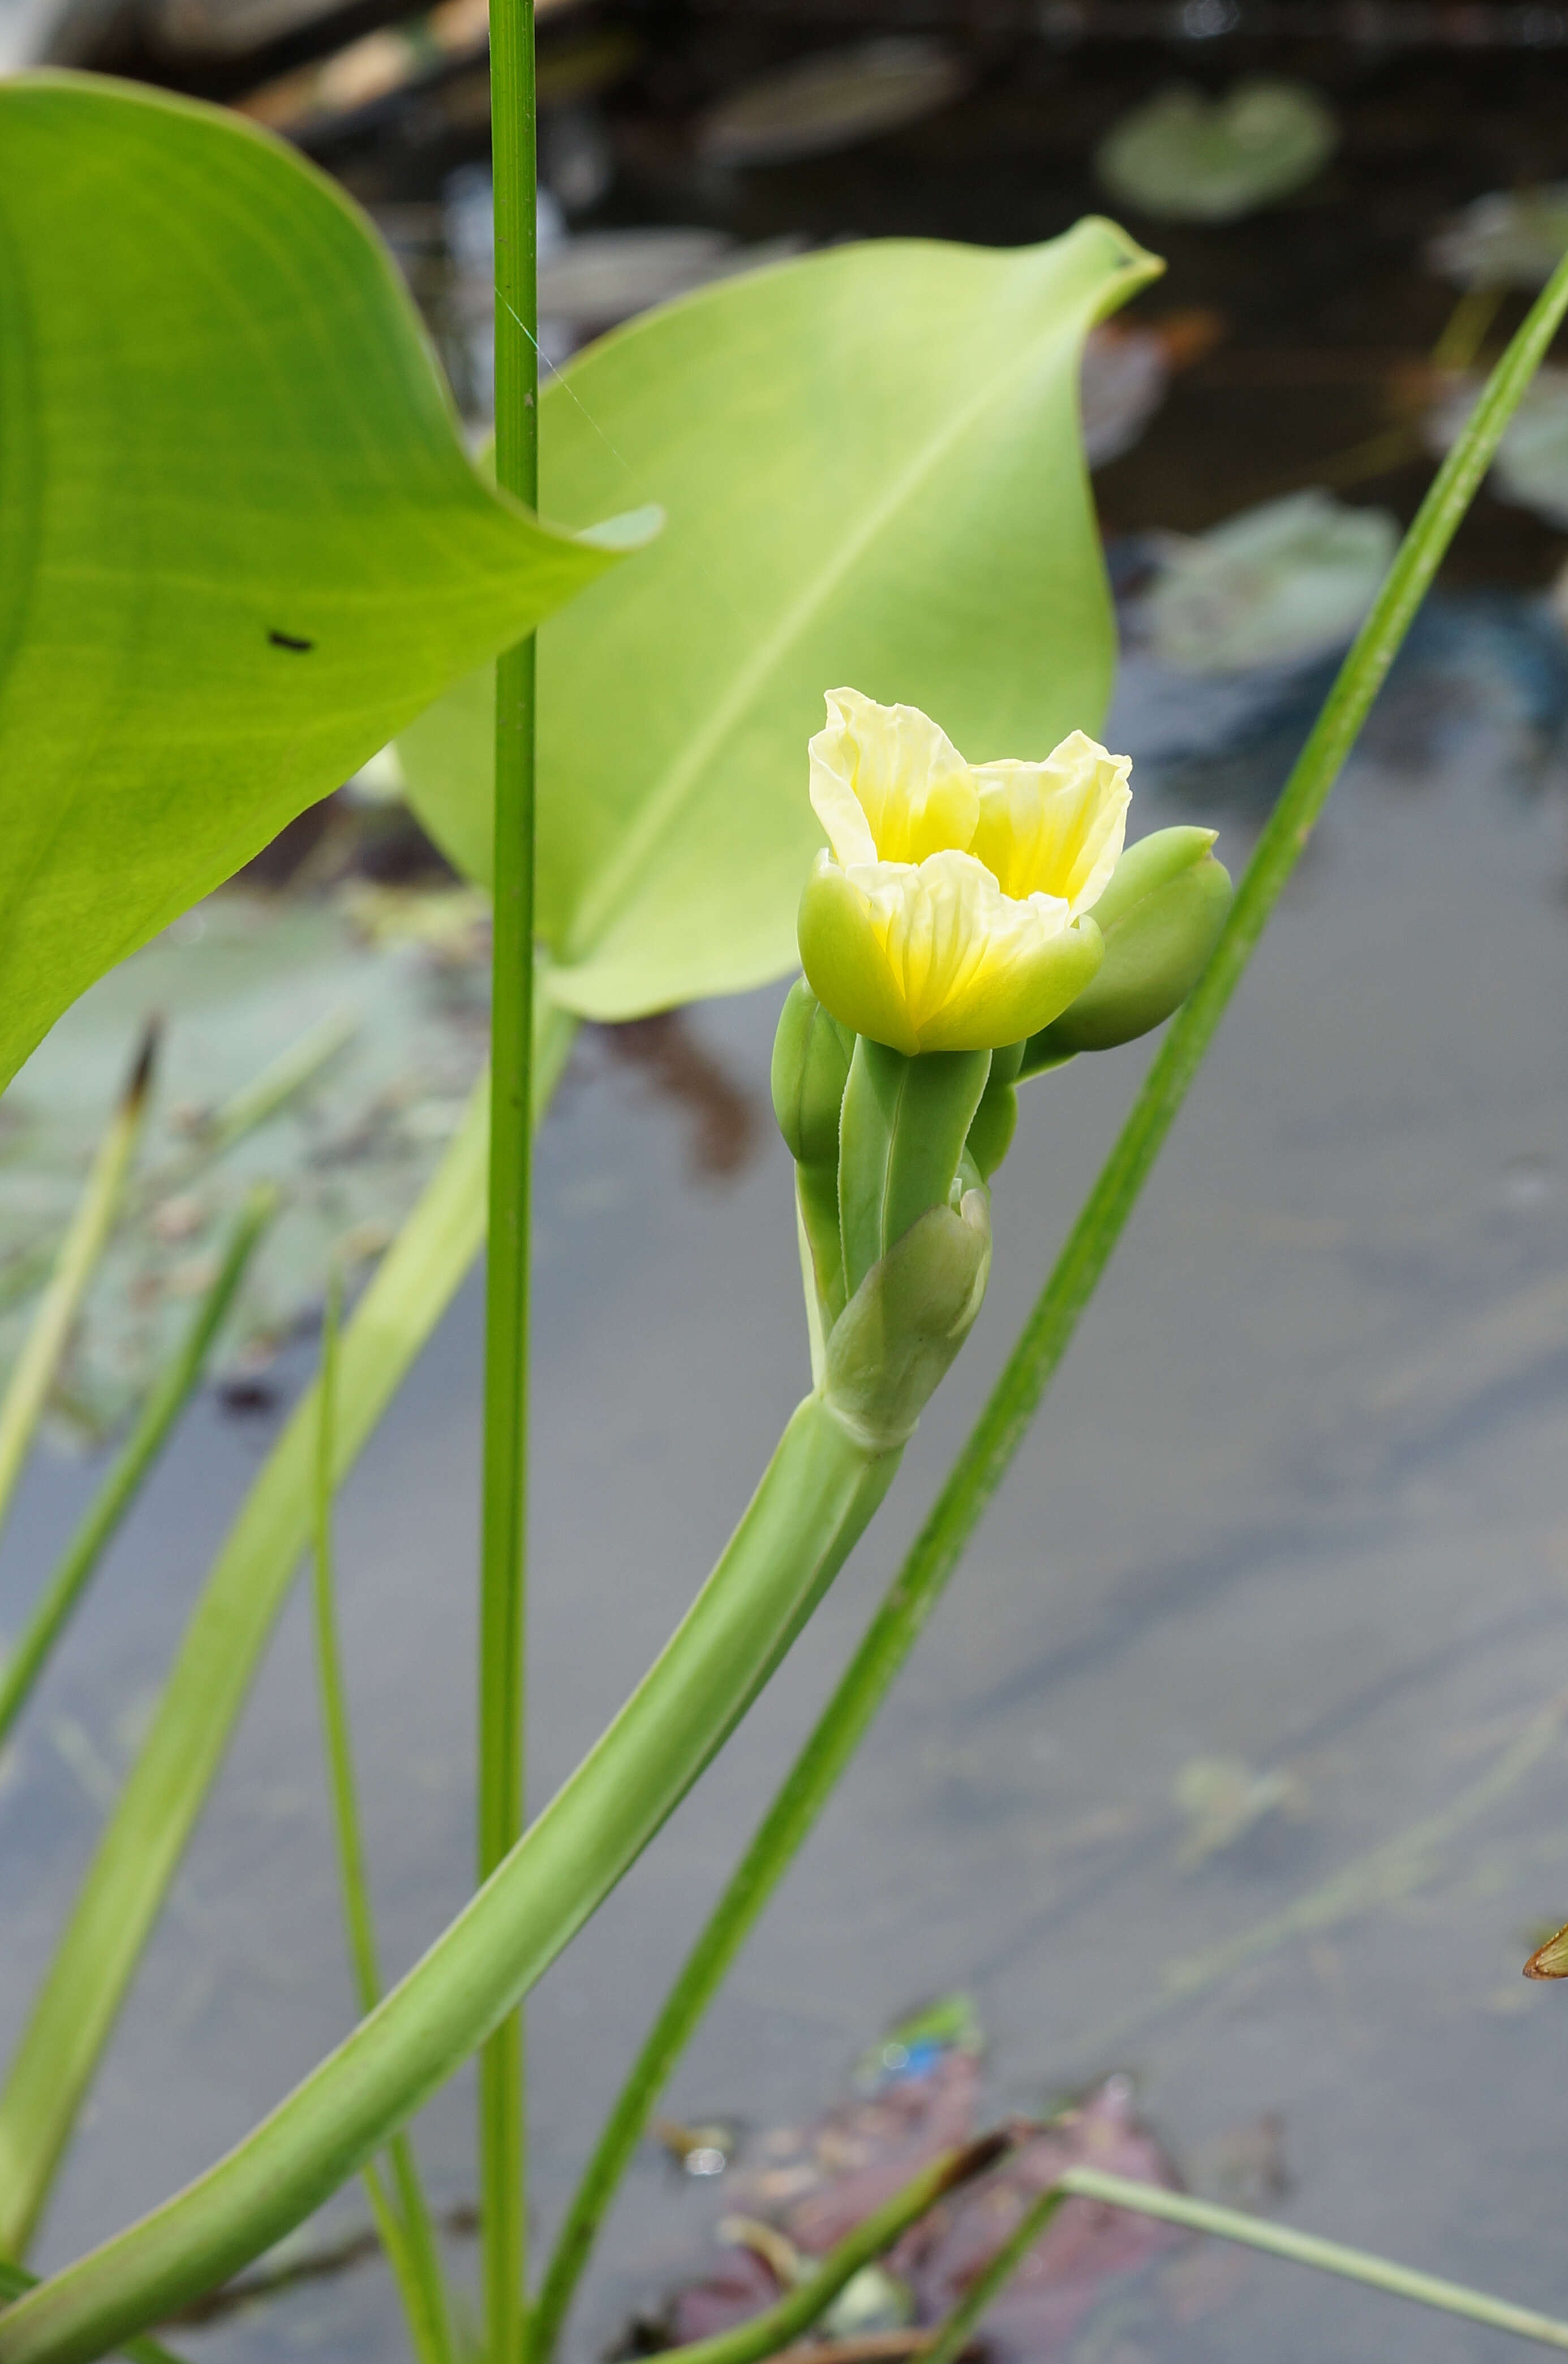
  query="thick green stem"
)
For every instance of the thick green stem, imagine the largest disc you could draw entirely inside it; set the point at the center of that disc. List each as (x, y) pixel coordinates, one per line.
(815, 1498)
(15, 2280)
(1001, 1429)
(503, 2218)
(171, 1391)
(901, 1133)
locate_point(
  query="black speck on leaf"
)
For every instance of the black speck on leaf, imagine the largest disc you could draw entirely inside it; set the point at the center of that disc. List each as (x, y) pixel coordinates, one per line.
(289, 640)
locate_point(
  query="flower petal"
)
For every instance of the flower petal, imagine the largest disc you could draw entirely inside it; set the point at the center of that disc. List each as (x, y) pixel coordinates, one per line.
(934, 958)
(887, 784)
(846, 959)
(1054, 827)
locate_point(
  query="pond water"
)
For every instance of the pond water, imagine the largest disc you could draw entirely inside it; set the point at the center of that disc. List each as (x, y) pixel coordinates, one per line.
(1235, 1759)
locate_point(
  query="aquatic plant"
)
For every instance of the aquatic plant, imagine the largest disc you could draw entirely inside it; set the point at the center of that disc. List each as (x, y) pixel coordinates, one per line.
(246, 548)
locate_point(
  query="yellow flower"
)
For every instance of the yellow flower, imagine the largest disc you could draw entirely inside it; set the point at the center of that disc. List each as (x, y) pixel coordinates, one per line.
(952, 911)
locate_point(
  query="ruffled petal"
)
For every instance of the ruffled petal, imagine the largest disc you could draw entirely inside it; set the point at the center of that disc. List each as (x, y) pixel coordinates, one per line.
(1054, 827)
(887, 784)
(846, 959)
(934, 956)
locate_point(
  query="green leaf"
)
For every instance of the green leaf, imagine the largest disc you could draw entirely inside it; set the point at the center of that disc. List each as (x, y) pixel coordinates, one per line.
(244, 544)
(871, 465)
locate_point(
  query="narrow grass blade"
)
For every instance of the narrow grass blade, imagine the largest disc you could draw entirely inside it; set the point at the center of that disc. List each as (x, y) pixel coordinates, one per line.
(765, 2334)
(407, 2231)
(22, 1406)
(171, 1391)
(949, 2342)
(1001, 1429)
(503, 1543)
(142, 1845)
(263, 1096)
(1309, 2249)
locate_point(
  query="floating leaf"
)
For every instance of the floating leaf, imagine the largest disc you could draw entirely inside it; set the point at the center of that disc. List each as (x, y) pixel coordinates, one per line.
(870, 466)
(1291, 579)
(1513, 238)
(1532, 466)
(1183, 157)
(244, 542)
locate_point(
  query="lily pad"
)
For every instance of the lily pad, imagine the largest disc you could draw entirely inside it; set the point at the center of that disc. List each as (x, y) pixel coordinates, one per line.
(1183, 157)
(1289, 580)
(1513, 238)
(1532, 466)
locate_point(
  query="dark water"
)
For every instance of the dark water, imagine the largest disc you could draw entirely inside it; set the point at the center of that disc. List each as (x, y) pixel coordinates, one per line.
(1299, 1498)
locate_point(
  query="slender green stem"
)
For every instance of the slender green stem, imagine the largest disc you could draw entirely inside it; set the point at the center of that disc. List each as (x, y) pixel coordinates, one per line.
(815, 1498)
(765, 2334)
(953, 2336)
(170, 1392)
(83, 1244)
(1015, 1397)
(139, 1851)
(503, 2218)
(1307, 2249)
(407, 2227)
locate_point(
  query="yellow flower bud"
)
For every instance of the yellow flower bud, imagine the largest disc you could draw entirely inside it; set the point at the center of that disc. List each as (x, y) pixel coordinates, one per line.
(952, 912)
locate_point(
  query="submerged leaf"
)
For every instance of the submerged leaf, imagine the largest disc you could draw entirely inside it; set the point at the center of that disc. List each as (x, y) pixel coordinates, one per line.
(1512, 238)
(244, 542)
(870, 466)
(1532, 466)
(1288, 580)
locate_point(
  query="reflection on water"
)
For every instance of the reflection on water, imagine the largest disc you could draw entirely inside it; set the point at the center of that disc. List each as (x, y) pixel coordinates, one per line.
(1235, 1760)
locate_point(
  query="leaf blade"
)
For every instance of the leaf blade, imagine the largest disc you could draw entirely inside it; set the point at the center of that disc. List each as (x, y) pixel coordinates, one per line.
(918, 522)
(244, 542)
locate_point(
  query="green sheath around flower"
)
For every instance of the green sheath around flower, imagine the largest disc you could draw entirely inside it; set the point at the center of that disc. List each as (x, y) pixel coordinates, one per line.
(952, 913)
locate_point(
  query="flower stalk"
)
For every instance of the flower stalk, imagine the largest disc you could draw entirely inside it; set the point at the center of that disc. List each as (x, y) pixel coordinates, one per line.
(912, 1596)
(503, 2208)
(815, 1498)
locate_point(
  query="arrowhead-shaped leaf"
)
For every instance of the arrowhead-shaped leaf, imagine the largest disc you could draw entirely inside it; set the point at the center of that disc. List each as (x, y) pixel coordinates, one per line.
(240, 543)
(872, 472)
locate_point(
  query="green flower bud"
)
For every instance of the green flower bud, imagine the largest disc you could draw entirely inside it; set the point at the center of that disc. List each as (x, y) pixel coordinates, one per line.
(894, 1342)
(810, 1066)
(996, 1119)
(1160, 915)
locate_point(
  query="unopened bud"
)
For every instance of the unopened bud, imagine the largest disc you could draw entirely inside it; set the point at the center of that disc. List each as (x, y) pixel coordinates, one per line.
(996, 1119)
(894, 1342)
(1161, 916)
(810, 1066)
